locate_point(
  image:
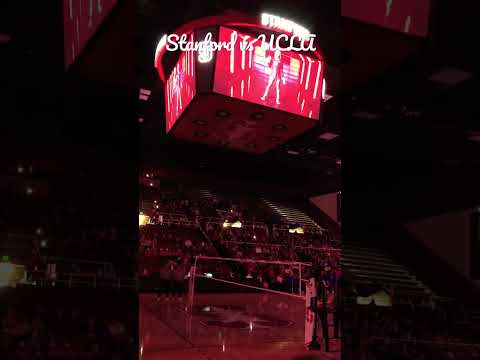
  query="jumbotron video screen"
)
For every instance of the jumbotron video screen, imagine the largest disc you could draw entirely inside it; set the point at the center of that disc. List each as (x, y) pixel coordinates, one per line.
(180, 87)
(284, 80)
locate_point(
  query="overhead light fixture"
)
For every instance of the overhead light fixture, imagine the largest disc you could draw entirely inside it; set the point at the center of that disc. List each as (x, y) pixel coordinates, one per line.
(327, 136)
(279, 127)
(292, 152)
(200, 122)
(200, 134)
(222, 113)
(450, 76)
(257, 116)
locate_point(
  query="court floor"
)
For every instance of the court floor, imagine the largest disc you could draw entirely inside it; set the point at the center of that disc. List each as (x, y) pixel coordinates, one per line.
(225, 326)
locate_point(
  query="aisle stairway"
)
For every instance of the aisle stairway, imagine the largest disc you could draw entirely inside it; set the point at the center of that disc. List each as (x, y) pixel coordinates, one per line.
(368, 264)
(290, 214)
(207, 195)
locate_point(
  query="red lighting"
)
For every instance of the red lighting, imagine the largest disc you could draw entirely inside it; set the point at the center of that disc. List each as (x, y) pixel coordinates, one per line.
(274, 79)
(180, 87)
(407, 16)
(237, 20)
(80, 21)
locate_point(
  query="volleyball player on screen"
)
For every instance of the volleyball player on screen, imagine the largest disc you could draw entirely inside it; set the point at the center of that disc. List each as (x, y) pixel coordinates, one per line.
(276, 75)
(178, 78)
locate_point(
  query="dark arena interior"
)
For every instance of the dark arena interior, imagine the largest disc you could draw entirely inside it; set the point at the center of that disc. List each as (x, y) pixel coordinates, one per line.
(291, 205)
(68, 202)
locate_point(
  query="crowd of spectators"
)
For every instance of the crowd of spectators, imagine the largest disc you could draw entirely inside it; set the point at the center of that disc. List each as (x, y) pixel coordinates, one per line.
(63, 324)
(62, 222)
(176, 199)
(310, 238)
(175, 240)
(207, 230)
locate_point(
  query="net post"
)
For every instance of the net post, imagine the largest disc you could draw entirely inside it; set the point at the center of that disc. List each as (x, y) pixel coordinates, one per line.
(300, 279)
(193, 273)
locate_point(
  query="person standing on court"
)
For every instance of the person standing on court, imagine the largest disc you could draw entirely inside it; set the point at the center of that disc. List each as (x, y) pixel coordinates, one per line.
(179, 274)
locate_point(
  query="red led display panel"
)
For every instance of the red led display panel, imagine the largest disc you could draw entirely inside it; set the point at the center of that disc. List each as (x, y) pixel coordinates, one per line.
(284, 80)
(81, 18)
(180, 87)
(407, 16)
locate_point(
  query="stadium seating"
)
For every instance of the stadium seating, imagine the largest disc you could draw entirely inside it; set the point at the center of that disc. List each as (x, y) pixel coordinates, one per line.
(178, 212)
(368, 264)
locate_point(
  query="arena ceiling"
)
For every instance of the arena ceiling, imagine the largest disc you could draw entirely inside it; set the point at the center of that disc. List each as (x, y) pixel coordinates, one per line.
(405, 105)
(413, 130)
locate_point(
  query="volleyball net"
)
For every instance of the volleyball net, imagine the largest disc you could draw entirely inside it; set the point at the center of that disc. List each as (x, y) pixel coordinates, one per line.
(252, 294)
